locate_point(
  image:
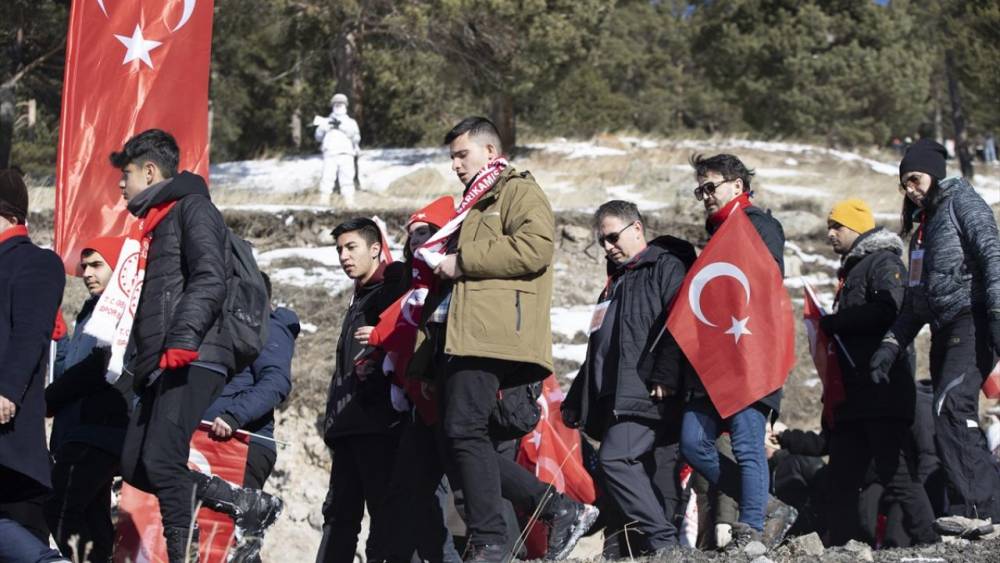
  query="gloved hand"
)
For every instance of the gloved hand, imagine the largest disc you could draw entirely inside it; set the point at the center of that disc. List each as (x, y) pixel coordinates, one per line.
(882, 361)
(175, 358)
(398, 398)
(828, 324)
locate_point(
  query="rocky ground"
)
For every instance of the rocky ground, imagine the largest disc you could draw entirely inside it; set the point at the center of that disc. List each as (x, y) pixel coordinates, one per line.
(290, 229)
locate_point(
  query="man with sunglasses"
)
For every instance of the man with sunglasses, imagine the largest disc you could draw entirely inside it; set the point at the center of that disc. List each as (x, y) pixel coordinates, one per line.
(627, 391)
(723, 186)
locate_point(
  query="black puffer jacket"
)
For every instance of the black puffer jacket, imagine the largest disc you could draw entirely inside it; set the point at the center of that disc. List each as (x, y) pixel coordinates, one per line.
(355, 405)
(869, 299)
(641, 292)
(961, 269)
(773, 235)
(185, 284)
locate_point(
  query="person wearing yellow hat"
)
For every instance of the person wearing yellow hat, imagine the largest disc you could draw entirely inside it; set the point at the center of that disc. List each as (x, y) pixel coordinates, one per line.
(871, 425)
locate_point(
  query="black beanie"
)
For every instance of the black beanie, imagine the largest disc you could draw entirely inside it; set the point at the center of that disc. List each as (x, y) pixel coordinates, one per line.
(925, 156)
(13, 195)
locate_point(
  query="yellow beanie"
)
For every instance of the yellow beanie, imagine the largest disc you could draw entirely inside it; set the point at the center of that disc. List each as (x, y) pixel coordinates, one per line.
(853, 214)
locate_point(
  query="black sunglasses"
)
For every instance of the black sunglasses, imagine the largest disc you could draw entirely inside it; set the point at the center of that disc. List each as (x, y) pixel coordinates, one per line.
(613, 237)
(706, 189)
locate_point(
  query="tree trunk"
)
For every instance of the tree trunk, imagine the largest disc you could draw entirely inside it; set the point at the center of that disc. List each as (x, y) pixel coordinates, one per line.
(347, 72)
(7, 116)
(297, 86)
(957, 117)
(502, 113)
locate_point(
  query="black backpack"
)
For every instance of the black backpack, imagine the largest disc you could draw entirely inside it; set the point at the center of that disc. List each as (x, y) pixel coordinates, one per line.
(247, 308)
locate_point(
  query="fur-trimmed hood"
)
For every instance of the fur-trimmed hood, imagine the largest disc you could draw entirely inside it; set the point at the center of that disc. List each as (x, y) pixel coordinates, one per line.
(873, 241)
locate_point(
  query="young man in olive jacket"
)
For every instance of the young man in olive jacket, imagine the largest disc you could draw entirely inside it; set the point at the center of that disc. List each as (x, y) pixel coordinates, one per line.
(872, 424)
(627, 393)
(360, 427)
(178, 354)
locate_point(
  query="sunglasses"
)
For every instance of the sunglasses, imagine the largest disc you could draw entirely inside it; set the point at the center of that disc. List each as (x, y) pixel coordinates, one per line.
(613, 237)
(707, 189)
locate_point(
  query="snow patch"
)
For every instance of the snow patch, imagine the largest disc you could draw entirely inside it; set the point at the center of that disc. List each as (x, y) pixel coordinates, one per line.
(813, 280)
(627, 193)
(308, 327)
(326, 255)
(333, 280)
(802, 191)
(574, 150)
(812, 258)
(571, 352)
(793, 148)
(568, 321)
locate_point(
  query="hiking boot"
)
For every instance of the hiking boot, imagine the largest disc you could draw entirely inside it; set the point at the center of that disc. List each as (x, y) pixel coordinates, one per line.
(568, 520)
(487, 554)
(780, 518)
(743, 537)
(253, 510)
(968, 528)
(179, 550)
(246, 550)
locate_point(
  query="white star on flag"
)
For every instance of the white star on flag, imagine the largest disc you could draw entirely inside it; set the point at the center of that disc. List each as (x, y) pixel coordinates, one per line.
(739, 328)
(138, 47)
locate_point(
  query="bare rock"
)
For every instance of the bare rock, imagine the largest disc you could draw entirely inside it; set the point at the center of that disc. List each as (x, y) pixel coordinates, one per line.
(576, 234)
(755, 549)
(809, 544)
(797, 223)
(861, 551)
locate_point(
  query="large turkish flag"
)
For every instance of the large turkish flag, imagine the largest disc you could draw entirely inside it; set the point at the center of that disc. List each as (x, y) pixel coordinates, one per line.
(733, 318)
(130, 66)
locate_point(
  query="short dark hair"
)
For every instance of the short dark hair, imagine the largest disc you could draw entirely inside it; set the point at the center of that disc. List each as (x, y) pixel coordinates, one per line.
(728, 166)
(476, 127)
(627, 211)
(153, 145)
(368, 229)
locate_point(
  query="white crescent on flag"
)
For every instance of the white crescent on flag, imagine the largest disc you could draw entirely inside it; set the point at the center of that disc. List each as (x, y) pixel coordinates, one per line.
(702, 278)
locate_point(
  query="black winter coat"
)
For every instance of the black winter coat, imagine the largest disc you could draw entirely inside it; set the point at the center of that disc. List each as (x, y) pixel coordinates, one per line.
(184, 289)
(355, 406)
(773, 235)
(869, 299)
(645, 353)
(31, 287)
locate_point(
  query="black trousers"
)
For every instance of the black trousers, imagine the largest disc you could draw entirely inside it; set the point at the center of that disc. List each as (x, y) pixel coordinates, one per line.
(470, 395)
(79, 511)
(961, 358)
(362, 467)
(639, 468)
(158, 440)
(260, 463)
(855, 447)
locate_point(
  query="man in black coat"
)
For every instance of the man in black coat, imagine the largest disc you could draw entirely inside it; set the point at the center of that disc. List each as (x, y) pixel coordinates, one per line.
(627, 393)
(31, 287)
(872, 424)
(178, 354)
(360, 426)
(723, 186)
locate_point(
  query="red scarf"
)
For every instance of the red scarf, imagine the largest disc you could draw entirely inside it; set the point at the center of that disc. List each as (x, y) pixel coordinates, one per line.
(719, 217)
(15, 231)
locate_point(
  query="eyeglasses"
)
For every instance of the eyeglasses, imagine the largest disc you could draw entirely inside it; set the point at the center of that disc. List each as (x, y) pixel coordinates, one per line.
(707, 189)
(613, 237)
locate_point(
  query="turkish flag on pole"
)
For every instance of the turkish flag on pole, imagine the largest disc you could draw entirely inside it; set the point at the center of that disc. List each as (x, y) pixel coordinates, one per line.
(733, 318)
(824, 356)
(130, 66)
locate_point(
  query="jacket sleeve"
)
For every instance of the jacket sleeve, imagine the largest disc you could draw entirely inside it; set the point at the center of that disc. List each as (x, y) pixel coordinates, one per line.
(772, 234)
(272, 373)
(79, 380)
(666, 355)
(35, 293)
(802, 442)
(204, 257)
(979, 228)
(572, 407)
(529, 247)
(884, 299)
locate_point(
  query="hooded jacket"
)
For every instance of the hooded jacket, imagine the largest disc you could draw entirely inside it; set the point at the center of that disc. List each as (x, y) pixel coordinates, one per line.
(187, 272)
(250, 397)
(359, 405)
(871, 293)
(31, 287)
(640, 349)
(961, 265)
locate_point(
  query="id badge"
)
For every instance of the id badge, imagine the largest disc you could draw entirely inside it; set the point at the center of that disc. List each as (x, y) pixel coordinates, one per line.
(597, 319)
(916, 266)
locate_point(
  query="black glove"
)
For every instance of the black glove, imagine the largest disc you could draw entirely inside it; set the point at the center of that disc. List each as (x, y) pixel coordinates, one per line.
(882, 361)
(828, 324)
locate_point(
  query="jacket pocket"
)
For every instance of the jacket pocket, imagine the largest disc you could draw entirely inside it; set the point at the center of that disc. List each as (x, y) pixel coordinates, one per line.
(499, 311)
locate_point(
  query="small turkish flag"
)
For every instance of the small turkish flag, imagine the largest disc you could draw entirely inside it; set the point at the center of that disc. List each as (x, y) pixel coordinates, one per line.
(733, 318)
(130, 66)
(824, 356)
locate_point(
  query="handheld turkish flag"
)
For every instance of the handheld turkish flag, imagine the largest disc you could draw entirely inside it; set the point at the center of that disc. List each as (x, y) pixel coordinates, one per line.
(130, 66)
(733, 318)
(991, 387)
(139, 531)
(824, 356)
(552, 452)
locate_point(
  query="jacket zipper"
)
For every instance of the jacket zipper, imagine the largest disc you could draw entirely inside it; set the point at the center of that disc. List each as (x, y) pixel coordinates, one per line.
(517, 306)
